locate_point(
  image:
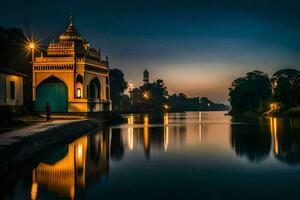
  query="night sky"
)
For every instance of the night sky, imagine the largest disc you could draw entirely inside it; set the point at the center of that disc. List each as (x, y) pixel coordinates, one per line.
(196, 47)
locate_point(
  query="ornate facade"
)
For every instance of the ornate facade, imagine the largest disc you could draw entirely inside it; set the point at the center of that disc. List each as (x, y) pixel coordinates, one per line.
(72, 76)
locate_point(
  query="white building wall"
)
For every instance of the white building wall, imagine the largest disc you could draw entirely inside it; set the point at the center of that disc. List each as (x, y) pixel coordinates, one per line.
(18, 97)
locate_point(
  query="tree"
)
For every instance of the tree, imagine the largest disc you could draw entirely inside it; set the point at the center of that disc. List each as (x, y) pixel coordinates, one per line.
(117, 87)
(156, 95)
(286, 86)
(12, 51)
(250, 93)
(13, 55)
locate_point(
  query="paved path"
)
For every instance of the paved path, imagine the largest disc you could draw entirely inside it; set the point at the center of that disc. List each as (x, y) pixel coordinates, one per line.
(8, 138)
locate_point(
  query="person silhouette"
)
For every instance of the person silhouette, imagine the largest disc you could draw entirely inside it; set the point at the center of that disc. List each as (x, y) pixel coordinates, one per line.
(48, 111)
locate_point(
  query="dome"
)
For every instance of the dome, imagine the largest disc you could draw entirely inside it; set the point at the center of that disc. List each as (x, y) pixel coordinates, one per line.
(71, 33)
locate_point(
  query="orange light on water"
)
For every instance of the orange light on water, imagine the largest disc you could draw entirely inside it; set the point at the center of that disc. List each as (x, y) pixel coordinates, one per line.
(34, 191)
(273, 127)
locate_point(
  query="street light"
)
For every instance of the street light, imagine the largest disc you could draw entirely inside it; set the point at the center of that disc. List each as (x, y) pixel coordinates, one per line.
(32, 45)
(146, 95)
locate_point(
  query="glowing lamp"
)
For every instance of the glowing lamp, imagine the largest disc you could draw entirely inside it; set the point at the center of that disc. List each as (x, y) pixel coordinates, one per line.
(146, 95)
(78, 93)
(31, 45)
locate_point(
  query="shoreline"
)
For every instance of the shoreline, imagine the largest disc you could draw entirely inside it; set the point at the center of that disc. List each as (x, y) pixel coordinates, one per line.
(286, 113)
(22, 149)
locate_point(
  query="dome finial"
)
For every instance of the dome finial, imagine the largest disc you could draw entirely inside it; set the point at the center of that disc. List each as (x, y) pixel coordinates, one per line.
(71, 19)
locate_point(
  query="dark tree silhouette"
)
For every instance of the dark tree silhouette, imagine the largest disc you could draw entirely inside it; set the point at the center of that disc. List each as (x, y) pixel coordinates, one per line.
(250, 94)
(12, 52)
(13, 55)
(181, 102)
(117, 87)
(252, 141)
(150, 97)
(286, 87)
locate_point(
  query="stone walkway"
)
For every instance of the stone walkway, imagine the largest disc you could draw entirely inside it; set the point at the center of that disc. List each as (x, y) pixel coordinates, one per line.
(11, 137)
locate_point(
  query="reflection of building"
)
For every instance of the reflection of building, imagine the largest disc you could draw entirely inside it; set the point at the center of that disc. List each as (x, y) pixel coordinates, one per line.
(72, 77)
(86, 159)
(11, 87)
(150, 133)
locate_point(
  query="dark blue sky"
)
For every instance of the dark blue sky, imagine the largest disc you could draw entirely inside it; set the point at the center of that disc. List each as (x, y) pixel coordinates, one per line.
(197, 47)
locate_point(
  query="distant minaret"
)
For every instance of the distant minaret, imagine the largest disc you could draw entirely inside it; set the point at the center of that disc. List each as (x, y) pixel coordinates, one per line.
(146, 77)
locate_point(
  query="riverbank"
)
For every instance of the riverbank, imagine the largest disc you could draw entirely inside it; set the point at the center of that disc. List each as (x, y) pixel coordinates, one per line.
(17, 147)
(291, 112)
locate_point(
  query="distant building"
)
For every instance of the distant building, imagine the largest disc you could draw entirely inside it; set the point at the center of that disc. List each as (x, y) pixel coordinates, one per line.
(146, 77)
(72, 76)
(11, 87)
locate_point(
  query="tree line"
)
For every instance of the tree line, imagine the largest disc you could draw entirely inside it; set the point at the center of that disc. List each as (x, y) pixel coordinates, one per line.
(153, 97)
(256, 93)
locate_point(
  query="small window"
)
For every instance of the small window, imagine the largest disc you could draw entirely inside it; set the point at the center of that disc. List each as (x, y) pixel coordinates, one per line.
(12, 89)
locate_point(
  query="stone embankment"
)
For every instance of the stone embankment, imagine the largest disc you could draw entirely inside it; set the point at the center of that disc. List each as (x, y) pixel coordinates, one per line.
(20, 147)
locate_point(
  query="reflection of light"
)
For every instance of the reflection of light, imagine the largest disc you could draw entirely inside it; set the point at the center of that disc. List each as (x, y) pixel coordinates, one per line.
(166, 137)
(200, 126)
(130, 138)
(146, 120)
(130, 133)
(273, 127)
(34, 191)
(130, 120)
(79, 151)
(72, 192)
(200, 132)
(66, 173)
(166, 119)
(146, 136)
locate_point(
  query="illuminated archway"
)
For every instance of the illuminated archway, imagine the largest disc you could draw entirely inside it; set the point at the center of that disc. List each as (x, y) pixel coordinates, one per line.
(54, 91)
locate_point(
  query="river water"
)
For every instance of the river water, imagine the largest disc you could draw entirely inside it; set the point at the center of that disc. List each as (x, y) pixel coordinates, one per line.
(193, 155)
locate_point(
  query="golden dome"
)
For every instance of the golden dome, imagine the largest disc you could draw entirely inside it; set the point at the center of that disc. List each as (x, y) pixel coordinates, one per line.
(71, 33)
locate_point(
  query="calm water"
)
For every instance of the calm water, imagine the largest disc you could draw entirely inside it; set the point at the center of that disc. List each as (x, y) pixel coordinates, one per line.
(176, 156)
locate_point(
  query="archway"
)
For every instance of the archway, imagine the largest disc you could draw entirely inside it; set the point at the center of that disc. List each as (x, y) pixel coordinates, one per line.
(94, 89)
(54, 91)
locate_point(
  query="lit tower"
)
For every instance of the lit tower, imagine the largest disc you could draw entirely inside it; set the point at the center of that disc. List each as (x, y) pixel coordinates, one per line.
(146, 77)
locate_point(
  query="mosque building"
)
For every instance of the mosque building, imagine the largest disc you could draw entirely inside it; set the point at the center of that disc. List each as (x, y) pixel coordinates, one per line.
(72, 76)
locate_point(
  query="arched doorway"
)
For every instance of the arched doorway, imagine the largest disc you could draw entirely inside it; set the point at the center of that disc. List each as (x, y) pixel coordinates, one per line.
(55, 92)
(94, 89)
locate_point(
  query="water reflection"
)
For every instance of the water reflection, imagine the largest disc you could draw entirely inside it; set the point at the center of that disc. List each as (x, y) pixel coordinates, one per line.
(286, 139)
(252, 141)
(175, 130)
(86, 159)
(196, 148)
(256, 141)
